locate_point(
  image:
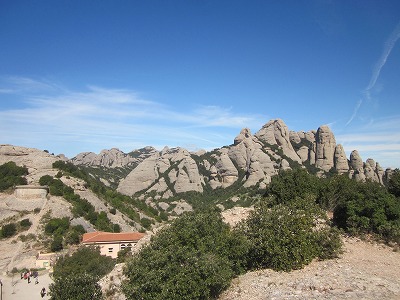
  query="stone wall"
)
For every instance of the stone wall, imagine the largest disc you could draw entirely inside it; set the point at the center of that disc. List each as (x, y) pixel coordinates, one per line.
(30, 192)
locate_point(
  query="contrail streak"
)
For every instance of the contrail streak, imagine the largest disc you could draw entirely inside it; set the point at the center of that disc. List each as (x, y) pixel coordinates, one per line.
(355, 112)
(391, 41)
(389, 44)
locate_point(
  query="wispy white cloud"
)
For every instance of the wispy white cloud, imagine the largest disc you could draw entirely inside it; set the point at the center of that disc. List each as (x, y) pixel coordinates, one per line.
(388, 47)
(99, 118)
(389, 44)
(15, 84)
(358, 105)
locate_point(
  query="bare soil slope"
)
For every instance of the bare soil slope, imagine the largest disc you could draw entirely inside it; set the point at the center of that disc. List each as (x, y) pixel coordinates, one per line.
(364, 271)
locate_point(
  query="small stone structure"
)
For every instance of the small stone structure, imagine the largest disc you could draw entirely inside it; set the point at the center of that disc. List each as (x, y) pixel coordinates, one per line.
(45, 260)
(31, 192)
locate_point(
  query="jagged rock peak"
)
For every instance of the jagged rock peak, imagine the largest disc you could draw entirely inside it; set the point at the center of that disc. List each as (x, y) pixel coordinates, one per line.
(244, 133)
(325, 148)
(356, 162)
(275, 132)
(340, 160)
(112, 158)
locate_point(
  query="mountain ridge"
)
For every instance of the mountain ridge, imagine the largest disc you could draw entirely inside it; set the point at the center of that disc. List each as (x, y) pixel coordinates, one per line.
(252, 159)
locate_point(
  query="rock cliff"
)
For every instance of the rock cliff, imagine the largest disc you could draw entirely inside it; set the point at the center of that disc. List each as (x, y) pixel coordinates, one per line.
(250, 161)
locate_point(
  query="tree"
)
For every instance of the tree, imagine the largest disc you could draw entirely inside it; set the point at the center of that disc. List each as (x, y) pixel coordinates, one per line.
(284, 237)
(11, 174)
(77, 286)
(56, 244)
(394, 183)
(194, 258)
(9, 230)
(367, 208)
(45, 180)
(85, 260)
(57, 225)
(290, 184)
(25, 223)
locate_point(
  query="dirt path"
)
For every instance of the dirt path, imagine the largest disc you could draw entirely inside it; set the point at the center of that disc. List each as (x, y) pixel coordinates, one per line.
(365, 271)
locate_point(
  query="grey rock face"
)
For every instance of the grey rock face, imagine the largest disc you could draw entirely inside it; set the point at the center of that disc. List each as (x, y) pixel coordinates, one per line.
(325, 148)
(252, 159)
(275, 132)
(340, 160)
(113, 158)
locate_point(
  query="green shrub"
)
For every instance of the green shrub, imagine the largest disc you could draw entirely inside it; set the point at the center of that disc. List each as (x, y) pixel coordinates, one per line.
(394, 183)
(9, 230)
(367, 208)
(194, 258)
(284, 237)
(26, 223)
(72, 237)
(291, 184)
(11, 174)
(57, 225)
(45, 180)
(78, 287)
(56, 244)
(85, 260)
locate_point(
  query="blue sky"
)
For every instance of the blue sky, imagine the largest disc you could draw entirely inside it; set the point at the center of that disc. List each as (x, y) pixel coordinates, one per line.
(81, 76)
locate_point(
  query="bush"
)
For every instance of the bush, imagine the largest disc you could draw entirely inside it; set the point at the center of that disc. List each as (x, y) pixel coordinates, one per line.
(284, 237)
(367, 208)
(291, 184)
(11, 174)
(26, 223)
(78, 287)
(394, 183)
(124, 255)
(56, 244)
(57, 225)
(45, 180)
(9, 230)
(85, 260)
(194, 258)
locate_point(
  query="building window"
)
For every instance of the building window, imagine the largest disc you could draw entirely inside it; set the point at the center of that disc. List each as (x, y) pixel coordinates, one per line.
(129, 246)
(122, 246)
(110, 250)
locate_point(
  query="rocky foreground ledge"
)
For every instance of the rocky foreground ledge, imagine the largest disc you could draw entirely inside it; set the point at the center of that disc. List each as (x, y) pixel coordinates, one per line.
(365, 271)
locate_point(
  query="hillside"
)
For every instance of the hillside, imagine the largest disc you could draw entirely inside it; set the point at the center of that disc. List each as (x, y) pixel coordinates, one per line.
(143, 188)
(250, 162)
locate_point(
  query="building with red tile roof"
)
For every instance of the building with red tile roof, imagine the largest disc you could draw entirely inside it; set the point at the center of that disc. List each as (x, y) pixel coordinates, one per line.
(111, 243)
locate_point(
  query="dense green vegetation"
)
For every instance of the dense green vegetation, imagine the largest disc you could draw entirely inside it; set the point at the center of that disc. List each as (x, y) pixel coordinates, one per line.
(8, 230)
(85, 260)
(11, 174)
(77, 287)
(366, 208)
(393, 183)
(125, 204)
(81, 207)
(197, 255)
(76, 275)
(62, 233)
(284, 238)
(359, 208)
(11, 229)
(194, 258)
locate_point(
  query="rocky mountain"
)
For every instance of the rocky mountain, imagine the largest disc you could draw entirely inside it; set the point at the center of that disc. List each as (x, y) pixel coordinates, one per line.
(113, 158)
(250, 161)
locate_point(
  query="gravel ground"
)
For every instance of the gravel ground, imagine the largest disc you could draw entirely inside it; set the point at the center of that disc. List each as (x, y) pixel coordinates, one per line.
(365, 271)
